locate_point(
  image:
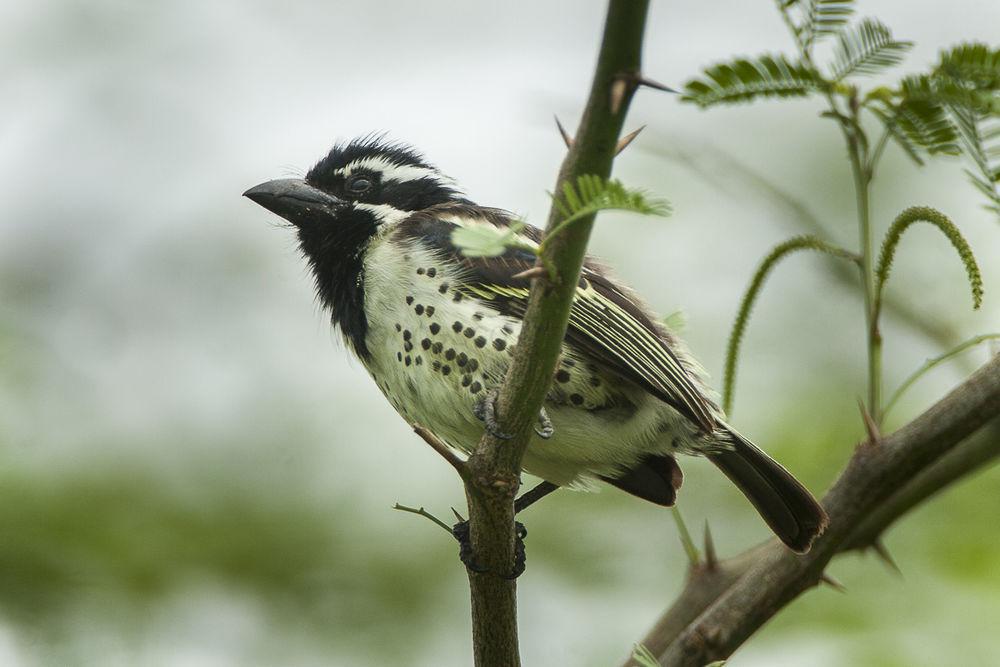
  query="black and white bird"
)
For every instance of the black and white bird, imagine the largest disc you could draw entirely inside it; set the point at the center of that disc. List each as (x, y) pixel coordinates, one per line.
(436, 330)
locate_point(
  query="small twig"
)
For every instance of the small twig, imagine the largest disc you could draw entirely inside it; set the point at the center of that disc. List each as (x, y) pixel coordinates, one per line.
(568, 140)
(934, 362)
(446, 452)
(689, 548)
(627, 139)
(424, 513)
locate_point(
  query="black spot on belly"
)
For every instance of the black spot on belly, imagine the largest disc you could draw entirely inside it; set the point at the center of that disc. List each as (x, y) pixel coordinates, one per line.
(456, 326)
(507, 329)
(594, 381)
(475, 387)
(445, 369)
(430, 311)
(419, 309)
(431, 272)
(437, 347)
(562, 376)
(480, 342)
(469, 332)
(576, 399)
(407, 360)
(473, 365)
(407, 346)
(420, 272)
(436, 365)
(419, 360)
(466, 380)
(435, 327)
(407, 335)
(409, 300)
(443, 287)
(399, 356)
(398, 328)
(449, 354)
(568, 363)
(462, 359)
(457, 297)
(426, 343)
(499, 343)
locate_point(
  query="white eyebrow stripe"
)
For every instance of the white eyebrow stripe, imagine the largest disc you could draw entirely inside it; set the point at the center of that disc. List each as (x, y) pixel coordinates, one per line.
(384, 213)
(395, 172)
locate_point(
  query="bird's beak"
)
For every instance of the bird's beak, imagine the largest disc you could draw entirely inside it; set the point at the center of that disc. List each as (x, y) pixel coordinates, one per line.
(295, 200)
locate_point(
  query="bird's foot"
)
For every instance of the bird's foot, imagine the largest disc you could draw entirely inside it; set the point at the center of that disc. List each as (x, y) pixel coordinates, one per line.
(486, 412)
(465, 554)
(545, 430)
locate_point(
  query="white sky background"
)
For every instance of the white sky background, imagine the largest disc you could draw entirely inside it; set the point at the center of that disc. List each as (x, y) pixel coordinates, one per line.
(164, 300)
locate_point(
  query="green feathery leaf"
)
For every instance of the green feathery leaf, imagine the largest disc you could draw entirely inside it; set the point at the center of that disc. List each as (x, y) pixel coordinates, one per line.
(821, 18)
(980, 137)
(643, 657)
(973, 63)
(743, 80)
(591, 194)
(867, 48)
(948, 228)
(753, 291)
(484, 240)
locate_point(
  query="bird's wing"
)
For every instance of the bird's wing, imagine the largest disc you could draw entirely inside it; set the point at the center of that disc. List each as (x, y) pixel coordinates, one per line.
(605, 322)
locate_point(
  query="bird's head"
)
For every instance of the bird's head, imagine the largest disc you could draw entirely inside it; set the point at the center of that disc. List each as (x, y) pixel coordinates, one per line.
(358, 187)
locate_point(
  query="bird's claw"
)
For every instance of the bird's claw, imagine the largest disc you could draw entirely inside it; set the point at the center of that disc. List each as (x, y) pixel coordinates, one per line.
(465, 554)
(545, 430)
(486, 412)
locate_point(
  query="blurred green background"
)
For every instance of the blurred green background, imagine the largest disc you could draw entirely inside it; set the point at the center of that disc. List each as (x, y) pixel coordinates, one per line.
(192, 470)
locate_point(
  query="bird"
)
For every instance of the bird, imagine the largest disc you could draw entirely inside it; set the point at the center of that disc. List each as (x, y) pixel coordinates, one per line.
(436, 330)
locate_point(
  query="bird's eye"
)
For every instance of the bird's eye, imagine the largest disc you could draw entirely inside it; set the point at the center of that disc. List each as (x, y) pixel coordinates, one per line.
(359, 185)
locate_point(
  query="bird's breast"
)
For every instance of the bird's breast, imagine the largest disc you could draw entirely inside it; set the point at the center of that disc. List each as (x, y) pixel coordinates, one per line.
(435, 350)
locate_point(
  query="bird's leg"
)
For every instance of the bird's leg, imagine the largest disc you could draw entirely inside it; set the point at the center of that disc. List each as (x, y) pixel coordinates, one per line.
(529, 498)
(545, 430)
(461, 532)
(486, 412)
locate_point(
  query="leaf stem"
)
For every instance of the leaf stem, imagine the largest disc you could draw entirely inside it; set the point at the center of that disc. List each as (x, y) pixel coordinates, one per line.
(932, 363)
(689, 548)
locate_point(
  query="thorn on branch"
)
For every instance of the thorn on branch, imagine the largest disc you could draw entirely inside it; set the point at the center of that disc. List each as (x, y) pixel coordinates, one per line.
(832, 583)
(458, 516)
(619, 88)
(443, 450)
(874, 435)
(655, 85)
(533, 272)
(627, 83)
(711, 558)
(626, 140)
(878, 546)
(565, 135)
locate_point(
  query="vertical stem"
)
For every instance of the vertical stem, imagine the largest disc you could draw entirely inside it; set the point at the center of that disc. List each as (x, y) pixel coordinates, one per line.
(862, 192)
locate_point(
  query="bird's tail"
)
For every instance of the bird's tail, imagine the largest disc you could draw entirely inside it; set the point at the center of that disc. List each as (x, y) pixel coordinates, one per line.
(787, 506)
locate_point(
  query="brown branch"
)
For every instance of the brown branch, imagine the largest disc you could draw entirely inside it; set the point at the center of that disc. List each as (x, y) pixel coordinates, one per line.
(494, 467)
(880, 483)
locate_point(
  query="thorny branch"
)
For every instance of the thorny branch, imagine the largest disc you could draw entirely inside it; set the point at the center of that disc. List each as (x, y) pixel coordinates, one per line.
(723, 605)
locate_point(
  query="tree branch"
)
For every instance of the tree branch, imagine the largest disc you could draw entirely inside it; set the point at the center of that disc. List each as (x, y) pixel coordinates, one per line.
(495, 465)
(880, 483)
